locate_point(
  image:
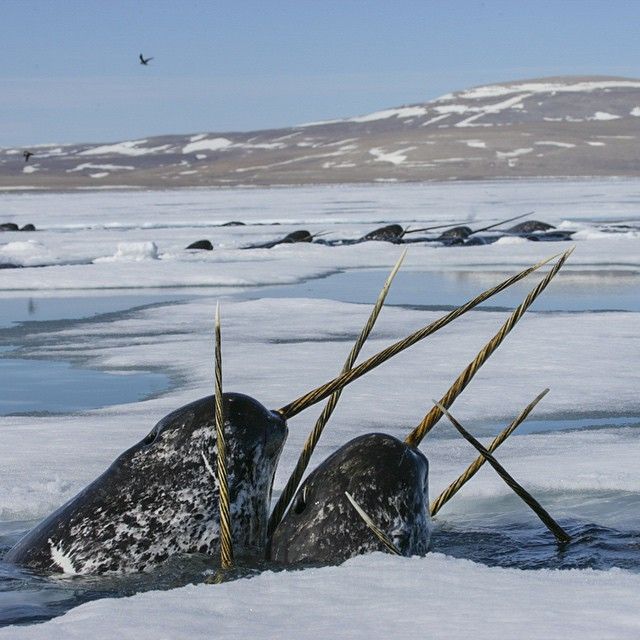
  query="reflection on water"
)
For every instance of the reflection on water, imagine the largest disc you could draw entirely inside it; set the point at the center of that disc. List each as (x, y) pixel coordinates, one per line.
(592, 547)
(38, 386)
(23, 309)
(571, 290)
(502, 531)
(46, 386)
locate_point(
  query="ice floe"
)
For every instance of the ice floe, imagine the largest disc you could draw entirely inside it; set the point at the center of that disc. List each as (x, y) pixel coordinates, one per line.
(293, 344)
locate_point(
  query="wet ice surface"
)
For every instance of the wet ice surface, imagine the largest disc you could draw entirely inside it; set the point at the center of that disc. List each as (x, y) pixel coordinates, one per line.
(36, 386)
(37, 308)
(578, 453)
(575, 291)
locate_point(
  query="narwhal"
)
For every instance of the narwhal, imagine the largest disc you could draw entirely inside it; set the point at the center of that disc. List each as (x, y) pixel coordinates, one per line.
(160, 497)
(301, 235)
(372, 493)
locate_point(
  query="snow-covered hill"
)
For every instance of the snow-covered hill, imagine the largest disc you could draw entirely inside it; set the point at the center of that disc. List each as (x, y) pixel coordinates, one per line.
(565, 126)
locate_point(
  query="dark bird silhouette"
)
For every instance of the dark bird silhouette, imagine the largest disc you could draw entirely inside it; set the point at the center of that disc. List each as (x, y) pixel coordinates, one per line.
(27, 155)
(144, 61)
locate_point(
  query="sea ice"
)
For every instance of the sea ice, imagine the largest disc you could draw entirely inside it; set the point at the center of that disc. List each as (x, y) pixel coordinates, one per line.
(277, 348)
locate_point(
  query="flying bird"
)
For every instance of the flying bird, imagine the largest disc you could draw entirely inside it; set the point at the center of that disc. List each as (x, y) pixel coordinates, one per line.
(27, 155)
(144, 61)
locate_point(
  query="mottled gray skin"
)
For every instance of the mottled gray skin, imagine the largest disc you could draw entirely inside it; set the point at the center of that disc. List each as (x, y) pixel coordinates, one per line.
(291, 238)
(160, 497)
(530, 226)
(386, 477)
(455, 234)
(390, 233)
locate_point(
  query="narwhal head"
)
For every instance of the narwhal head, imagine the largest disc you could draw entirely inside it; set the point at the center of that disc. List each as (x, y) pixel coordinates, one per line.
(174, 472)
(386, 476)
(390, 233)
(160, 497)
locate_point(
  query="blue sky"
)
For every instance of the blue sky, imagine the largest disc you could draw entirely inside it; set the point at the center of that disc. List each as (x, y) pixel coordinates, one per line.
(69, 70)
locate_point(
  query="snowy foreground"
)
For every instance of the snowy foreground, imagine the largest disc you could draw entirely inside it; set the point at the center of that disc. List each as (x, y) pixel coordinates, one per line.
(370, 597)
(276, 349)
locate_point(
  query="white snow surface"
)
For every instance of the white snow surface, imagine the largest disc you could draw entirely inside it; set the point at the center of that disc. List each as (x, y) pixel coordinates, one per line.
(393, 157)
(212, 144)
(496, 90)
(400, 112)
(105, 167)
(603, 115)
(127, 148)
(132, 252)
(378, 596)
(81, 227)
(292, 345)
(30, 253)
(480, 110)
(475, 144)
(551, 143)
(515, 153)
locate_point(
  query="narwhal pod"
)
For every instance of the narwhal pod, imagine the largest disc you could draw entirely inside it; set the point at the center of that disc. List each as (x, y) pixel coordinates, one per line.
(160, 497)
(387, 478)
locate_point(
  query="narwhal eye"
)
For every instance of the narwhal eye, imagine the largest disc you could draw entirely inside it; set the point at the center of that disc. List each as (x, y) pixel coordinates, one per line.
(150, 438)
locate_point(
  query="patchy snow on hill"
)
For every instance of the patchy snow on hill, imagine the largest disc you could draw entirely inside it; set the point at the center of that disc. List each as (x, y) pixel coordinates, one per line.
(496, 90)
(103, 167)
(394, 157)
(127, 148)
(603, 115)
(551, 143)
(209, 144)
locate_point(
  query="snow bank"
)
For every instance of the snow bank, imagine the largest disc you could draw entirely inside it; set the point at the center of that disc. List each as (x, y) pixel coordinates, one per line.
(26, 254)
(132, 252)
(511, 240)
(377, 596)
(603, 115)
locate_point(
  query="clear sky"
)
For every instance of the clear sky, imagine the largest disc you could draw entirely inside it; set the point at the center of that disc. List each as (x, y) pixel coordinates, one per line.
(69, 70)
